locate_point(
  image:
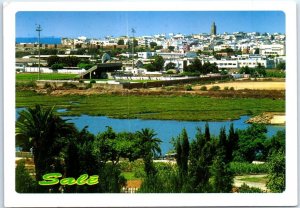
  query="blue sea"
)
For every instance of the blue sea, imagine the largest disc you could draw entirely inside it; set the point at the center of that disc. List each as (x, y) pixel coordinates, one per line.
(45, 40)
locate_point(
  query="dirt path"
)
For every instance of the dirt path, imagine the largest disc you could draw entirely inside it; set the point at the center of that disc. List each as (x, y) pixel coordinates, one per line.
(238, 181)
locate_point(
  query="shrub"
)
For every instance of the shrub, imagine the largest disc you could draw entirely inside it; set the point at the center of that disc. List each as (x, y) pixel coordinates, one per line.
(226, 88)
(92, 81)
(169, 88)
(215, 88)
(243, 168)
(57, 66)
(26, 84)
(88, 86)
(24, 182)
(68, 85)
(169, 72)
(231, 88)
(188, 88)
(47, 85)
(80, 81)
(247, 189)
(203, 88)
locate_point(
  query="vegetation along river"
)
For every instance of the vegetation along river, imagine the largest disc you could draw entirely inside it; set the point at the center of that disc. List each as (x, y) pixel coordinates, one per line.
(165, 129)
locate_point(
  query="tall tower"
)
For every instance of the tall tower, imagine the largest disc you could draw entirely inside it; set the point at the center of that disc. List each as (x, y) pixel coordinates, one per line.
(213, 29)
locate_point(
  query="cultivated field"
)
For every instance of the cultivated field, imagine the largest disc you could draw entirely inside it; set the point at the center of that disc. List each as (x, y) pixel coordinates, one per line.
(254, 85)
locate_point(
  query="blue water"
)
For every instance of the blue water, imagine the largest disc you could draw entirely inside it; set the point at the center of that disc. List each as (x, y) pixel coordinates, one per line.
(45, 40)
(165, 129)
(62, 110)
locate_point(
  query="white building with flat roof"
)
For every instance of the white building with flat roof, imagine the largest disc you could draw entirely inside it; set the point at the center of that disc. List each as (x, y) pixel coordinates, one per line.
(274, 49)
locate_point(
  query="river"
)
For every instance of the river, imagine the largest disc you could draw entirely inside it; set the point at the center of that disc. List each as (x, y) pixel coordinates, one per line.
(165, 129)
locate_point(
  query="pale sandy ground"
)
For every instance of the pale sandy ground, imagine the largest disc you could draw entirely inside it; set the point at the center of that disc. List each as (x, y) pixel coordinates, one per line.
(278, 119)
(255, 85)
(238, 182)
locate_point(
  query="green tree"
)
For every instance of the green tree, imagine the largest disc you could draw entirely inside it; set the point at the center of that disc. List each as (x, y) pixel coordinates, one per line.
(275, 143)
(108, 147)
(182, 156)
(24, 182)
(201, 154)
(207, 67)
(246, 70)
(232, 144)
(256, 51)
(51, 60)
(222, 140)
(195, 66)
(170, 65)
(47, 134)
(158, 47)
(153, 44)
(171, 48)
(185, 151)
(149, 148)
(156, 65)
(221, 176)
(281, 66)
(276, 175)
(121, 42)
(81, 160)
(251, 145)
(207, 133)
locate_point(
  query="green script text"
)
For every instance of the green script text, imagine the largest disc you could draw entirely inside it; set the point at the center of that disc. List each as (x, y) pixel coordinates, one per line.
(53, 178)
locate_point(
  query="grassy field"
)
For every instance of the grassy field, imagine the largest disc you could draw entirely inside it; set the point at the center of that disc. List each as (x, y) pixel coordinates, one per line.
(43, 76)
(184, 107)
(255, 179)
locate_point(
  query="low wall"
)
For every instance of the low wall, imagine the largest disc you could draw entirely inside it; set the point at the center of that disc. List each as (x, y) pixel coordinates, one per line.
(62, 83)
(128, 85)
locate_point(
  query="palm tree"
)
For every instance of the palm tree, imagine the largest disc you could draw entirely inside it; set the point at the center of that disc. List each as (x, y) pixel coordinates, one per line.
(149, 148)
(149, 142)
(47, 134)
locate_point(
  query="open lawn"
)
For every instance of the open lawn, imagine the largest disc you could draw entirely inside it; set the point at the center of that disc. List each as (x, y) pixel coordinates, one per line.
(167, 107)
(43, 76)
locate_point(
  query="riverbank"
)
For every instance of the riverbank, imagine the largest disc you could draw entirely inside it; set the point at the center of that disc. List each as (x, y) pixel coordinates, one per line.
(274, 118)
(184, 107)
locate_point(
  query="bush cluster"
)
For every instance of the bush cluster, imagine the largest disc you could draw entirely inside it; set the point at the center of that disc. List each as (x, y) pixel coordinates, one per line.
(67, 85)
(215, 88)
(188, 88)
(203, 88)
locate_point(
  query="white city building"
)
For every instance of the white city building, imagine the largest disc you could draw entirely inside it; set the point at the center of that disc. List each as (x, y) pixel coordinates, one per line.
(275, 49)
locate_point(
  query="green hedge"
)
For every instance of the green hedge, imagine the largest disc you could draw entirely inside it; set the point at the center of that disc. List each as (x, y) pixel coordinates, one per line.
(239, 168)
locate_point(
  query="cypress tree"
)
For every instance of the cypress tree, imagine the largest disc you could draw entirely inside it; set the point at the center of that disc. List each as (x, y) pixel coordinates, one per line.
(207, 133)
(182, 156)
(222, 139)
(200, 160)
(185, 151)
(222, 177)
(232, 142)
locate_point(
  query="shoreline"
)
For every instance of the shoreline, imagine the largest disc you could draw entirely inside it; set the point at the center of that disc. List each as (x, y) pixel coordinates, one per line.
(269, 118)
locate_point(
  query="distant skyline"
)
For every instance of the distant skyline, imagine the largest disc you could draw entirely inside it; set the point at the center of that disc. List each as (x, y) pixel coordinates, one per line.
(106, 23)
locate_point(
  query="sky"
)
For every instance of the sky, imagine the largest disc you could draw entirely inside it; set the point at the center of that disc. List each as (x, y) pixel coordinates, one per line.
(101, 24)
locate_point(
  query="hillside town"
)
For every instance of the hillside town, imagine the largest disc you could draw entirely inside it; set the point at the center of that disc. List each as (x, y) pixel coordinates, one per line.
(228, 52)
